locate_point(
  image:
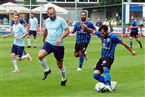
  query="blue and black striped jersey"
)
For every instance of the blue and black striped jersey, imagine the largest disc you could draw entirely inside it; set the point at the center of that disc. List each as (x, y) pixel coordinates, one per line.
(81, 34)
(109, 44)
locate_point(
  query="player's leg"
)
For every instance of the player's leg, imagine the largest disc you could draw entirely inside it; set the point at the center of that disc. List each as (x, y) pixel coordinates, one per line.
(20, 52)
(136, 38)
(106, 63)
(83, 47)
(13, 56)
(131, 36)
(46, 49)
(59, 54)
(29, 39)
(98, 70)
(35, 39)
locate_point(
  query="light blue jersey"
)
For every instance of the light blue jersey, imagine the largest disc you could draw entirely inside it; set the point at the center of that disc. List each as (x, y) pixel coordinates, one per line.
(55, 29)
(33, 24)
(18, 31)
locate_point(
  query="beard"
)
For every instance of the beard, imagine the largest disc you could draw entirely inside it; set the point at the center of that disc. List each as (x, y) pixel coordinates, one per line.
(83, 19)
(53, 18)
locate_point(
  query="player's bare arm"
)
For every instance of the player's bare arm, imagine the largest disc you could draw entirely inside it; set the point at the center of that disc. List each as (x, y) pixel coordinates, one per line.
(44, 35)
(126, 45)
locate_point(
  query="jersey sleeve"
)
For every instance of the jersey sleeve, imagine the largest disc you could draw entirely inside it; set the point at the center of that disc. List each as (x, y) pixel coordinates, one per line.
(22, 29)
(91, 26)
(64, 24)
(98, 33)
(116, 39)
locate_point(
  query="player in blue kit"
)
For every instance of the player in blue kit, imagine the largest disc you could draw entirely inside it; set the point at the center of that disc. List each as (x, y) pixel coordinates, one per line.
(56, 30)
(109, 43)
(33, 26)
(82, 38)
(18, 46)
(134, 31)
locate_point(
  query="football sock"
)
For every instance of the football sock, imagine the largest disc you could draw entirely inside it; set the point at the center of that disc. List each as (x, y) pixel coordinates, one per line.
(81, 60)
(107, 76)
(140, 43)
(99, 77)
(130, 44)
(35, 42)
(29, 41)
(14, 61)
(63, 73)
(24, 57)
(44, 64)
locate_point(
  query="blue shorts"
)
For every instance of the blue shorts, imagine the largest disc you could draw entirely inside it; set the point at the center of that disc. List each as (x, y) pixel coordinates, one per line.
(58, 51)
(32, 32)
(18, 50)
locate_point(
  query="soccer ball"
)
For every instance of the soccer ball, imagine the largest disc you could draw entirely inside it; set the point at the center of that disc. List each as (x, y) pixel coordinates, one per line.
(100, 87)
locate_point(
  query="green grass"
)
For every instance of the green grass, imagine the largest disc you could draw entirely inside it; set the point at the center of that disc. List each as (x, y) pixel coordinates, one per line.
(127, 70)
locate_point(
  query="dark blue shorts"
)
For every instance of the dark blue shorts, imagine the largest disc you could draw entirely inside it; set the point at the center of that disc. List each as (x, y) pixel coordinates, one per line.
(31, 32)
(18, 50)
(134, 34)
(58, 51)
(104, 62)
(81, 47)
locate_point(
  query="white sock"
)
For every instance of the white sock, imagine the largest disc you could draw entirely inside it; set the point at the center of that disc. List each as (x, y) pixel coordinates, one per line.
(24, 57)
(63, 73)
(35, 42)
(14, 61)
(29, 40)
(44, 64)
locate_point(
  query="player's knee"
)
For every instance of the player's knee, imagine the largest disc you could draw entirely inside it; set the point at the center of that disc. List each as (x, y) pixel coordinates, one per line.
(96, 76)
(19, 59)
(105, 70)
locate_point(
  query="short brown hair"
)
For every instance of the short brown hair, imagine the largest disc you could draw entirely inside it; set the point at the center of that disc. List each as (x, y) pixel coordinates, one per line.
(49, 8)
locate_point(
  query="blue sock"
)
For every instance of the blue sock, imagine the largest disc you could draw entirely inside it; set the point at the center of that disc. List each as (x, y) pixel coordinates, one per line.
(81, 60)
(130, 44)
(99, 77)
(107, 76)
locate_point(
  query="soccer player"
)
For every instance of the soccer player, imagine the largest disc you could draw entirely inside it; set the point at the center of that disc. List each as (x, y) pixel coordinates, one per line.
(109, 43)
(134, 31)
(33, 25)
(18, 46)
(56, 30)
(82, 38)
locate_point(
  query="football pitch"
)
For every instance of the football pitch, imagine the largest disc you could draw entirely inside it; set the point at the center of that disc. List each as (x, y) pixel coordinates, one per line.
(127, 70)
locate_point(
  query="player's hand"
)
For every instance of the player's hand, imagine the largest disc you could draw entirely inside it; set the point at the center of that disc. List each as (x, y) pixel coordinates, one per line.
(83, 26)
(133, 53)
(18, 38)
(58, 41)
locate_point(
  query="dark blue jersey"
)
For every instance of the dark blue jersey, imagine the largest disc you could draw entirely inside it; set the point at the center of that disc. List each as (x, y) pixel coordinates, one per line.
(22, 21)
(81, 34)
(134, 23)
(109, 44)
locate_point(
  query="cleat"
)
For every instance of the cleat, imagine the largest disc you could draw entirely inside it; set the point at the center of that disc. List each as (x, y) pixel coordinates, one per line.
(35, 47)
(46, 74)
(28, 46)
(85, 56)
(108, 88)
(63, 83)
(29, 57)
(113, 85)
(79, 69)
(15, 71)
